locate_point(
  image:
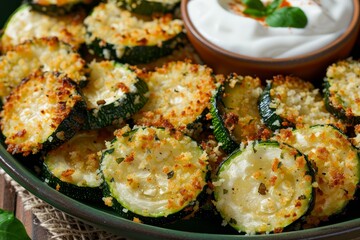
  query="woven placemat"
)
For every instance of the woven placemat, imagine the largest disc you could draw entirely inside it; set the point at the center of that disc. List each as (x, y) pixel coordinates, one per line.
(59, 225)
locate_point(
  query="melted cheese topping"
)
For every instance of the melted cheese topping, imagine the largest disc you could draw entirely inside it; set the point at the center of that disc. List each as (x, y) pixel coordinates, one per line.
(108, 82)
(77, 161)
(263, 188)
(179, 93)
(27, 24)
(298, 102)
(46, 53)
(154, 173)
(344, 79)
(35, 109)
(241, 115)
(337, 165)
(118, 27)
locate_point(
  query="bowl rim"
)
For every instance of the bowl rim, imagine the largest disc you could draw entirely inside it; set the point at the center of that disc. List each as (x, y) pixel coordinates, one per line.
(352, 29)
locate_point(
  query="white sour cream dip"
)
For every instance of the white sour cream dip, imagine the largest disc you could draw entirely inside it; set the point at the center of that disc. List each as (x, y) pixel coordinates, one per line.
(214, 19)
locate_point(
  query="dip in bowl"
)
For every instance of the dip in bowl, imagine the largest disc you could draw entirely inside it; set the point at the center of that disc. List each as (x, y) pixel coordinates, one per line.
(231, 36)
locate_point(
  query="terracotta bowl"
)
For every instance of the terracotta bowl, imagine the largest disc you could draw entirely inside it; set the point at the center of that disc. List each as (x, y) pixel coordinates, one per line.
(310, 66)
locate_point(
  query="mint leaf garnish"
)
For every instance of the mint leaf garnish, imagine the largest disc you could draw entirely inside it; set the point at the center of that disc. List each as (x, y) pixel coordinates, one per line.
(276, 16)
(287, 17)
(11, 228)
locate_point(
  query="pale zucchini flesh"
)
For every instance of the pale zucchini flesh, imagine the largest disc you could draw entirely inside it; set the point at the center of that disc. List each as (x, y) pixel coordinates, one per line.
(337, 167)
(45, 110)
(113, 93)
(342, 82)
(26, 24)
(179, 93)
(292, 102)
(263, 187)
(153, 174)
(47, 54)
(114, 33)
(235, 114)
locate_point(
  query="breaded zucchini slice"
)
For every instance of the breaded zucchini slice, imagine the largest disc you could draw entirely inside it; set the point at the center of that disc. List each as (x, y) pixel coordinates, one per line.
(180, 92)
(26, 24)
(45, 110)
(56, 7)
(113, 93)
(49, 54)
(263, 187)
(235, 114)
(114, 33)
(148, 7)
(292, 102)
(336, 162)
(74, 167)
(342, 96)
(153, 174)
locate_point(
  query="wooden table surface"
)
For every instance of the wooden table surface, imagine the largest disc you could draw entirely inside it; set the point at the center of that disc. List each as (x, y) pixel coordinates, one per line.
(10, 201)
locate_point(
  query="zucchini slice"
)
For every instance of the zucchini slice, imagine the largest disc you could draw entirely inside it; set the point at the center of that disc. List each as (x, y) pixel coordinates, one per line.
(113, 93)
(336, 162)
(234, 111)
(49, 54)
(292, 102)
(45, 110)
(26, 24)
(148, 7)
(153, 175)
(179, 94)
(264, 187)
(56, 7)
(74, 167)
(342, 82)
(114, 33)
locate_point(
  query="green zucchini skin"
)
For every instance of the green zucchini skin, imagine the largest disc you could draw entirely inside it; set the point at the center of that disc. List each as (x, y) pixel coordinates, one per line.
(137, 54)
(340, 89)
(121, 109)
(337, 168)
(73, 167)
(88, 194)
(337, 112)
(166, 206)
(147, 7)
(61, 112)
(221, 133)
(113, 94)
(268, 114)
(232, 209)
(57, 10)
(235, 114)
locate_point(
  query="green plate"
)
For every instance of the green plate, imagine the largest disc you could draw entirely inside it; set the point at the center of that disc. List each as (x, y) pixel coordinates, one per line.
(206, 226)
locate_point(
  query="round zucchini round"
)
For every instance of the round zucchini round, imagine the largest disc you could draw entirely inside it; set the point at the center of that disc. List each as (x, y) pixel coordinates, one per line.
(341, 86)
(337, 166)
(26, 24)
(73, 168)
(179, 94)
(115, 33)
(148, 7)
(44, 111)
(264, 187)
(292, 102)
(153, 175)
(49, 54)
(234, 111)
(113, 93)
